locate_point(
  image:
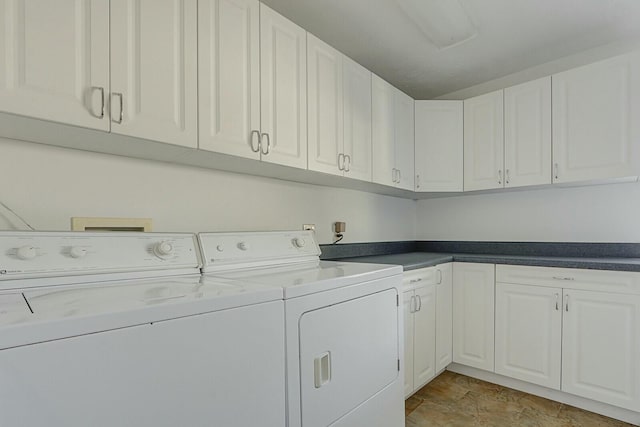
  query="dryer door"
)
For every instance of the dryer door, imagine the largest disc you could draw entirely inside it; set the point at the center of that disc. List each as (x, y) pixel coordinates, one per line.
(348, 353)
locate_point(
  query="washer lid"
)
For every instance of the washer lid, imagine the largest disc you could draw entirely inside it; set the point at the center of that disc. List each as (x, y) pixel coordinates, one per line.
(61, 312)
(316, 276)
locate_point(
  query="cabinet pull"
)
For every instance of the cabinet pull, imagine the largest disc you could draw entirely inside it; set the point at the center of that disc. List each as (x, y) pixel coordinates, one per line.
(419, 303)
(266, 135)
(101, 89)
(562, 278)
(412, 304)
(418, 181)
(419, 279)
(347, 163)
(557, 298)
(566, 303)
(121, 115)
(500, 176)
(439, 276)
(506, 176)
(555, 168)
(255, 149)
(399, 176)
(340, 162)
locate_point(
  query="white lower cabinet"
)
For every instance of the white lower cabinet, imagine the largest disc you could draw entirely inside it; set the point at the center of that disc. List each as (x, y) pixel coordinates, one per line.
(582, 338)
(473, 314)
(424, 322)
(528, 333)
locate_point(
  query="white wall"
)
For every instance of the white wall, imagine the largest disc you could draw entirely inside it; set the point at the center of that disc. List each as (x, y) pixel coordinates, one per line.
(48, 185)
(603, 213)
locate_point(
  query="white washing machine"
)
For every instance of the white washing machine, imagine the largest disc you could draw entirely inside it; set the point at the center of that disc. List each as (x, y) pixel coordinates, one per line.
(119, 330)
(343, 325)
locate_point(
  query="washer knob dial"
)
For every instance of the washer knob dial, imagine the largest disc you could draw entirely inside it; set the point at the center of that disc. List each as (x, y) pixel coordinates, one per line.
(77, 252)
(163, 249)
(243, 246)
(26, 252)
(299, 242)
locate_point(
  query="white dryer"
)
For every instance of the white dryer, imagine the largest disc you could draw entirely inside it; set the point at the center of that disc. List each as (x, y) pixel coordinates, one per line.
(343, 325)
(119, 330)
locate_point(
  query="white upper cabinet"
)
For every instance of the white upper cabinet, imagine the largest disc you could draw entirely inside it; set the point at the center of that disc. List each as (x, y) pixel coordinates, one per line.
(357, 121)
(325, 106)
(438, 146)
(484, 142)
(54, 60)
(596, 131)
(283, 91)
(404, 139)
(154, 76)
(384, 155)
(527, 134)
(229, 76)
(393, 135)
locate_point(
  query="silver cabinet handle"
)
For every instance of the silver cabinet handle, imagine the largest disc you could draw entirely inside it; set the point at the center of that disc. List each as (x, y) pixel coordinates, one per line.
(439, 276)
(506, 176)
(557, 300)
(340, 161)
(348, 163)
(419, 279)
(121, 115)
(555, 168)
(418, 181)
(101, 89)
(393, 175)
(412, 304)
(399, 176)
(566, 304)
(500, 176)
(419, 303)
(266, 136)
(562, 278)
(255, 149)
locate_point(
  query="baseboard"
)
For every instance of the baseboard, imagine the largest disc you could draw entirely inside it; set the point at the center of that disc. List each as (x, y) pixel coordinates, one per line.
(559, 396)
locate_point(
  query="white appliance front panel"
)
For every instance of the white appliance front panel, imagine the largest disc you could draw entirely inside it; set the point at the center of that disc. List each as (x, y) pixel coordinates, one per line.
(223, 251)
(348, 353)
(316, 276)
(194, 371)
(27, 255)
(13, 307)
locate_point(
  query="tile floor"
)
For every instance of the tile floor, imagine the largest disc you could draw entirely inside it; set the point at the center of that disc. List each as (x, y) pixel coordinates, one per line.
(456, 400)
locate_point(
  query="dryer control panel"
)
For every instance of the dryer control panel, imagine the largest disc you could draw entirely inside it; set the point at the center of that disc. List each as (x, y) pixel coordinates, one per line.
(32, 254)
(257, 249)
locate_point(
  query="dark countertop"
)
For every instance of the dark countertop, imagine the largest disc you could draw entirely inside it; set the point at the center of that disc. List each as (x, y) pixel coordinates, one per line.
(415, 260)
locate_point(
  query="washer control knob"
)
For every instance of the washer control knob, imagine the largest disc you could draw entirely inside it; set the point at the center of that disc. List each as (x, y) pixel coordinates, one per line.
(26, 252)
(220, 248)
(77, 252)
(299, 242)
(243, 246)
(163, 249)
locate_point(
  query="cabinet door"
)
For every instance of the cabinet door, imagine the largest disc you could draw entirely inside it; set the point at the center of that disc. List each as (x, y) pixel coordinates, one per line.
(438, 145)
(473, 314)
(527, 134)
(325, 106)
(529, 333)
(383, 137)
(601, 347)
(404, 139)
(483, 142)
(154, 92)
(357, 120)
(444, 316)
(54, 60)
(407, 307)
(595, 120)
(283, 89)
(424, 336)
(229, 76)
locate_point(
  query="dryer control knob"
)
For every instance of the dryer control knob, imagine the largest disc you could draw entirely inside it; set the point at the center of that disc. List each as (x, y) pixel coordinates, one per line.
(77, 252)
(26, 252)
(220, 248)
(163, 249)
(299, 242)
(243, 246)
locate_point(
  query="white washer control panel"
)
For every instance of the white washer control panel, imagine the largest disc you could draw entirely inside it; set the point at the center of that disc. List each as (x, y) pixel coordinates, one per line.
(221, 250)
(33, 254)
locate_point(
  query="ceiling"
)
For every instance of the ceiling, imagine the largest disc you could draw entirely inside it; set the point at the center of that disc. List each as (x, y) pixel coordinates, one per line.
(392, 37)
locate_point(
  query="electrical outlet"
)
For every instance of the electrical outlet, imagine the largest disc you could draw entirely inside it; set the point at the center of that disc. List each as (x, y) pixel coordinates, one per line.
(311, 227)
